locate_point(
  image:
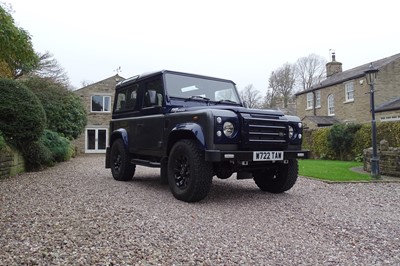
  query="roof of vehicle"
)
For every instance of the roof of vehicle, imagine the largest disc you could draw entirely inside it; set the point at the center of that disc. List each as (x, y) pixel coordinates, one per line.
(160, 72)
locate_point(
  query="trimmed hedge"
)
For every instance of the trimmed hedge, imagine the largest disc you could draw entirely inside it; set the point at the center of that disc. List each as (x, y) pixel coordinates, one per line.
(317, 140)
(22, 117)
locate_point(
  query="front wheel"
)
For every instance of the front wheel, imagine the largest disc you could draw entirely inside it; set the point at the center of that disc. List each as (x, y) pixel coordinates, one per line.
(277, 179)
(121, 167)
(189, 175)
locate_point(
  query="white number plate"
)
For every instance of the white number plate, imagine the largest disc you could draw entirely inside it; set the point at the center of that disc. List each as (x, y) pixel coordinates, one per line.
(268, 156)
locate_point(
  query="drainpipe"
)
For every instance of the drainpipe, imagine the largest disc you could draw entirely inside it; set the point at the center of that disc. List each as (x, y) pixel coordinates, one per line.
(314, 101)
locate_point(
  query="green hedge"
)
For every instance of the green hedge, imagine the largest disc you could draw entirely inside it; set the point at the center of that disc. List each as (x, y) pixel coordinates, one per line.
(317, 140)
(49, 149)
(22, 117)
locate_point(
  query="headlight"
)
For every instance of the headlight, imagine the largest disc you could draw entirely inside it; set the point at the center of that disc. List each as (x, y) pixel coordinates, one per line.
(228, 129)
(291, 132)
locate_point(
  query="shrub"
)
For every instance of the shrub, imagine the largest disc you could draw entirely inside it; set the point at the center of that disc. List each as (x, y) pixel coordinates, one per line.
(340, 140)
(351, 139)
(61, 148)
(65, 111)
(37, 156)
(22, 117)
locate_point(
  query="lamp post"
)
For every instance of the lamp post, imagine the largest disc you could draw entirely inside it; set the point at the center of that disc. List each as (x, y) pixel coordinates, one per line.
(370, 75)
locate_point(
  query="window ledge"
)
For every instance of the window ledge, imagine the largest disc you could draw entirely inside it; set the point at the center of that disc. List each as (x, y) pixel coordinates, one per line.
(310, 108)
(349, 101)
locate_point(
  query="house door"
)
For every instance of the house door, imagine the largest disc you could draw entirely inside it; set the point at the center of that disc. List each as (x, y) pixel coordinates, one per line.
(96, 140)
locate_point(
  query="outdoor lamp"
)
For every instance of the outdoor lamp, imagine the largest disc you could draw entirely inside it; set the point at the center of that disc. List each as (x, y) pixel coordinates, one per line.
(370, 75)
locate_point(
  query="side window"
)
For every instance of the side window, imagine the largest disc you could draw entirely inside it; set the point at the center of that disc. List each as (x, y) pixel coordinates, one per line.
(331, 105)
(101, 103)
(349, 91)
(310, 100)
(318, 99)
(153, 95)
(126, 99)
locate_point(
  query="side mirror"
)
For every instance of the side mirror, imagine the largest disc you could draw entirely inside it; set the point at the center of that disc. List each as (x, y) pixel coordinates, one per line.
(151, 97)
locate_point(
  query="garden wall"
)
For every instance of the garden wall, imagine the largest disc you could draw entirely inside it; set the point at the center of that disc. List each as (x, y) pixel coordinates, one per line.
(389, 159)
(11, 162)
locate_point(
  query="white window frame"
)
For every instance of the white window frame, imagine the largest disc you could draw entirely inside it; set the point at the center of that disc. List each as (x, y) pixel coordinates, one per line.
(390, 118)
(317, 99)
(331, 105)
(349, 91)
(108, 109)
(96, 149)
(310, 101)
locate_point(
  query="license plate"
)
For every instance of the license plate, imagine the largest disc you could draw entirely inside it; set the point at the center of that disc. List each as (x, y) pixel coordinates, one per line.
(267, 155)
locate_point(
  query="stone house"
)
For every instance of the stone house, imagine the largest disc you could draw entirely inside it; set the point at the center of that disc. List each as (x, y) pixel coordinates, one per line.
(344, 95)
(98, 99)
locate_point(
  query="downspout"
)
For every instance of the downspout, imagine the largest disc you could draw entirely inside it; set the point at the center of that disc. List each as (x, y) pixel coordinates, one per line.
(314, 101)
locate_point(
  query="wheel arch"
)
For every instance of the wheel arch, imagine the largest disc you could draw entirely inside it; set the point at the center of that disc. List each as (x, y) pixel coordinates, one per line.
(186, 131)
(120, 133)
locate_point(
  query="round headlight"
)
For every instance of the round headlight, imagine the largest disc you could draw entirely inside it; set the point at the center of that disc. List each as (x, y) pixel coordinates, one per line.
(291, 132)
(229, 129)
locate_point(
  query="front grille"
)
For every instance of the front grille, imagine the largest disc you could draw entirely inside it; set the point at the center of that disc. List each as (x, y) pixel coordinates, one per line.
(267, 132)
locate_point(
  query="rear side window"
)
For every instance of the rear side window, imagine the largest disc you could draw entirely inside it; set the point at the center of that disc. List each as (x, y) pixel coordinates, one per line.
(125, 99)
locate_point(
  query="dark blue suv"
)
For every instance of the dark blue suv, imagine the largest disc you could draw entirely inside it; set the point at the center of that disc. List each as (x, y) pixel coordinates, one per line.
(196, 127)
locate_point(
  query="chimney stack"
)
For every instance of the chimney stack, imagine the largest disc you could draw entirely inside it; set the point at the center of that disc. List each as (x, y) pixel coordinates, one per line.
(333, 67)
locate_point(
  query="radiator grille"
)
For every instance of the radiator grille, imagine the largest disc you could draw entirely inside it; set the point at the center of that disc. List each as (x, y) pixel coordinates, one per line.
(260, 131)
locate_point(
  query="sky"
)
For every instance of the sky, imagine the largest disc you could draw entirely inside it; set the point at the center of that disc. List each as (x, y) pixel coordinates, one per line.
(243, 41)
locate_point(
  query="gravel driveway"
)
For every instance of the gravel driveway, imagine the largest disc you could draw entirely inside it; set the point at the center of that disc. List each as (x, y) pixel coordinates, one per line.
(76, 214)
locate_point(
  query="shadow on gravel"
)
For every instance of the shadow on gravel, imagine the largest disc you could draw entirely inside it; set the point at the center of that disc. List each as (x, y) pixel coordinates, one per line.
(230, 190)
(236, 191)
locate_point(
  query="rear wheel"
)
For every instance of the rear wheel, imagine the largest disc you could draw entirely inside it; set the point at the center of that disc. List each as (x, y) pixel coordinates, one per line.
(121, 167)
(189, 175)
(278, 179)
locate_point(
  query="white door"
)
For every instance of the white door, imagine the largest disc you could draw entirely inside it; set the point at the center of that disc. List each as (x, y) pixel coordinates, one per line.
(96, 140)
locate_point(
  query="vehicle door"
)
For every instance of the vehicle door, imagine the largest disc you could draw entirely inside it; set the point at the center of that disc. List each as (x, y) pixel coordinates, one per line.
(150, 127)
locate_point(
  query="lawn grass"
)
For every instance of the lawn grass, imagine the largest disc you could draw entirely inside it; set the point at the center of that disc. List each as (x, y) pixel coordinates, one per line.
(331, 170)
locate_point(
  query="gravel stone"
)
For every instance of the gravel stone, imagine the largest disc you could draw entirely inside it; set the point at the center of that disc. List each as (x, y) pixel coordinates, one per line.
(76, 214)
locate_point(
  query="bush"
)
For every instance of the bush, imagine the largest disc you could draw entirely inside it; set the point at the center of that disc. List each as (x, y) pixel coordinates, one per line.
(22, 117)
(61, 148)
(340, 139)
(65, 111)
(37, 156)
(351, 139)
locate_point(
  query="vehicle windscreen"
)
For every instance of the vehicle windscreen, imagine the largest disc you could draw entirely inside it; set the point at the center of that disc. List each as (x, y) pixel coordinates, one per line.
(189, 87)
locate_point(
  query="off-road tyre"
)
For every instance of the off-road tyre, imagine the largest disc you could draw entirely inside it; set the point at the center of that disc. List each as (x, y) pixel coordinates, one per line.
(189, 175)
(121, 167)
(278, 179)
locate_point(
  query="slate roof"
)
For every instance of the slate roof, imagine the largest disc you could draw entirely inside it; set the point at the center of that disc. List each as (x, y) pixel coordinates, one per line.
(389, 106)
(322, 120)
(351, 73)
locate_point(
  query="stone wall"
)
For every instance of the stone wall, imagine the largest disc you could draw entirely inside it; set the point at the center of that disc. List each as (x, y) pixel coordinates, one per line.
(389, 159)
(11, 162)
(101, 120)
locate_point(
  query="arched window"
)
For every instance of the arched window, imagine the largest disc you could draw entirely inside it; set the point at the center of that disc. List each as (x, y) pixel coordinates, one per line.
(331, 105)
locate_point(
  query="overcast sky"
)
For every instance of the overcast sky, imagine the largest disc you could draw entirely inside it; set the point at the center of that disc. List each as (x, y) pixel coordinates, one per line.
(239, 40)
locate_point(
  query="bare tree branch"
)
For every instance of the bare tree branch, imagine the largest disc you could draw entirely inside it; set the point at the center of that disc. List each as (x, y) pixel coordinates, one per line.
(281, 84)
(251, 96)
(49, 68)
(310, 70)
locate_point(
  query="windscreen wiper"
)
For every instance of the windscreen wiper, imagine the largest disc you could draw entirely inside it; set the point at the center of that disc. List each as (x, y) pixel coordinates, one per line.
(197, 97)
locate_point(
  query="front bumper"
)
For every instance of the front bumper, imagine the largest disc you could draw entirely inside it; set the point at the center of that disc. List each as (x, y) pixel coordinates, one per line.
(219, 156)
